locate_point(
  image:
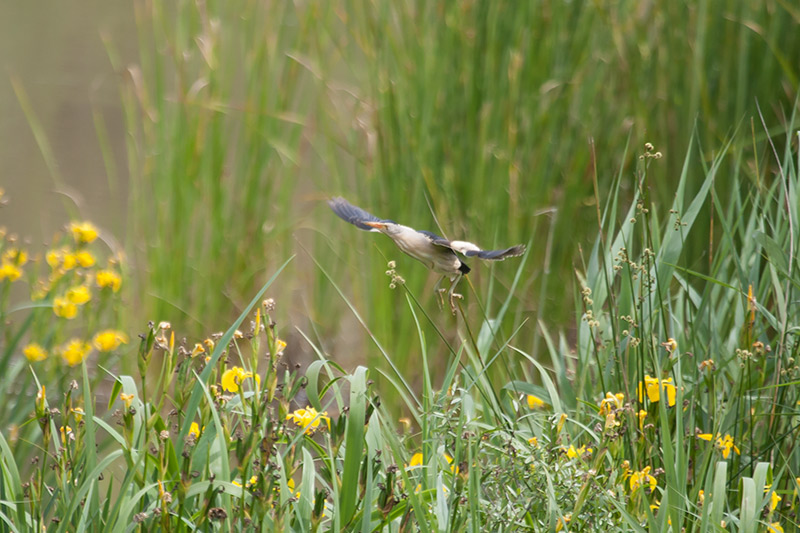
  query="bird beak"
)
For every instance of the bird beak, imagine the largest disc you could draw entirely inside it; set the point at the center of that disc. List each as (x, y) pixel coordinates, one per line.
(376, 225)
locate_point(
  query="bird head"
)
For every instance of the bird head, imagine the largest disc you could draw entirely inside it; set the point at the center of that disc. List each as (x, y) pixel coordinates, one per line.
(388, 227)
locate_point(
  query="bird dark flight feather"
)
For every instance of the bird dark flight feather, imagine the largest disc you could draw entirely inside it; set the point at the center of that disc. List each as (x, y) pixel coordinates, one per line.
(496, 255)
(352, 214)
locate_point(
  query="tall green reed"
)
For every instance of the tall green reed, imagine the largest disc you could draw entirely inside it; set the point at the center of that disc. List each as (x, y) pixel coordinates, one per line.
(489, 120)
(215, 112)
(482, 120)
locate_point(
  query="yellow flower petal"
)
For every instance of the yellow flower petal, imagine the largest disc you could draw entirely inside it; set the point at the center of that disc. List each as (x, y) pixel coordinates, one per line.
(79, 295)
(308, 419)
(108, 279)
(109, 340)
(75, 351)
(83, 232)
(10, 272)
(34, 352)
(85, 259)
(534, 402)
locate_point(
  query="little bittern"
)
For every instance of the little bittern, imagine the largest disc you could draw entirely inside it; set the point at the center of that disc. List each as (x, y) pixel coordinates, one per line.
(435, 252)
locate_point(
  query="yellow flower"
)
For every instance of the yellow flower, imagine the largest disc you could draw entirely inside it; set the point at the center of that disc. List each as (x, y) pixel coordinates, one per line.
(252, 481)
(79, 295)
(453, 468)
(15, 256)
(69, 261)
(653, 388)
(641, 479)
(417, 459)
(10, 271)
(109, 340)
(41, 398)
(78, 413)
(701, 497)
(611, 421)
(84, 258)
(127, 399)
(309, 419)
(560, 423)
(671, 390)
(671, 345)
(198, 349)
(723, 444)
(533, 441)
(563, 521)
(655, 506)
(232, 377)
(775, 527)
(53, 258)
(34, 352)
(626, 469)
(194, 430)
(75, 352)
(774, 499)
(280, 345)
(534, 402)
(108, 279)
(573, 452)
(83, 232)
(64, 308)
(642, 415)
(611, 401)
(66, 433)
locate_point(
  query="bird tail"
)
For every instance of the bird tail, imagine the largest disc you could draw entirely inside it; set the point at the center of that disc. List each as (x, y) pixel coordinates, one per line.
(463, 268)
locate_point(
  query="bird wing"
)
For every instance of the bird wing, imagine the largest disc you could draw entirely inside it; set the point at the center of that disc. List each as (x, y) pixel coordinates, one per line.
(352, 214)
(472, 250)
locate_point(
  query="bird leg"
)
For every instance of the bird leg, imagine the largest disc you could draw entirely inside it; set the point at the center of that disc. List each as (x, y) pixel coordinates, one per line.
(453, 294)
(439, 290)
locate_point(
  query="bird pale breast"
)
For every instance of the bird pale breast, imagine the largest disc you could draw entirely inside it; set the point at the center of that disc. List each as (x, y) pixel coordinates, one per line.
(439, 259)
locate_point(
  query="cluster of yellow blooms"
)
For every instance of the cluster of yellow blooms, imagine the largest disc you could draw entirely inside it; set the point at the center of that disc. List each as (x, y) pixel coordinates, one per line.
(74, 351)
(67, 306)
(65, 259)
(77, 261)
(11, 264)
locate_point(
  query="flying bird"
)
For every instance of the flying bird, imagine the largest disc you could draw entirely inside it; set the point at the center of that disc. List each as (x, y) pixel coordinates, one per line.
(435, 252)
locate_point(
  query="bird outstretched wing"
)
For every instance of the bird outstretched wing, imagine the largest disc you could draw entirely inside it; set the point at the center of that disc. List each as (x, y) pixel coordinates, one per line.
(352, 214)
(472, 250)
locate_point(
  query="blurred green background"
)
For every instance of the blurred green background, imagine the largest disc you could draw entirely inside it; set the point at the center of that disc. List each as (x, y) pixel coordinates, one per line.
(204, 137)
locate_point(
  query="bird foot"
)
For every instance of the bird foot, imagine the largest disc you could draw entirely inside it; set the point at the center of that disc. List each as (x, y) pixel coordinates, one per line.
(453, 296)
